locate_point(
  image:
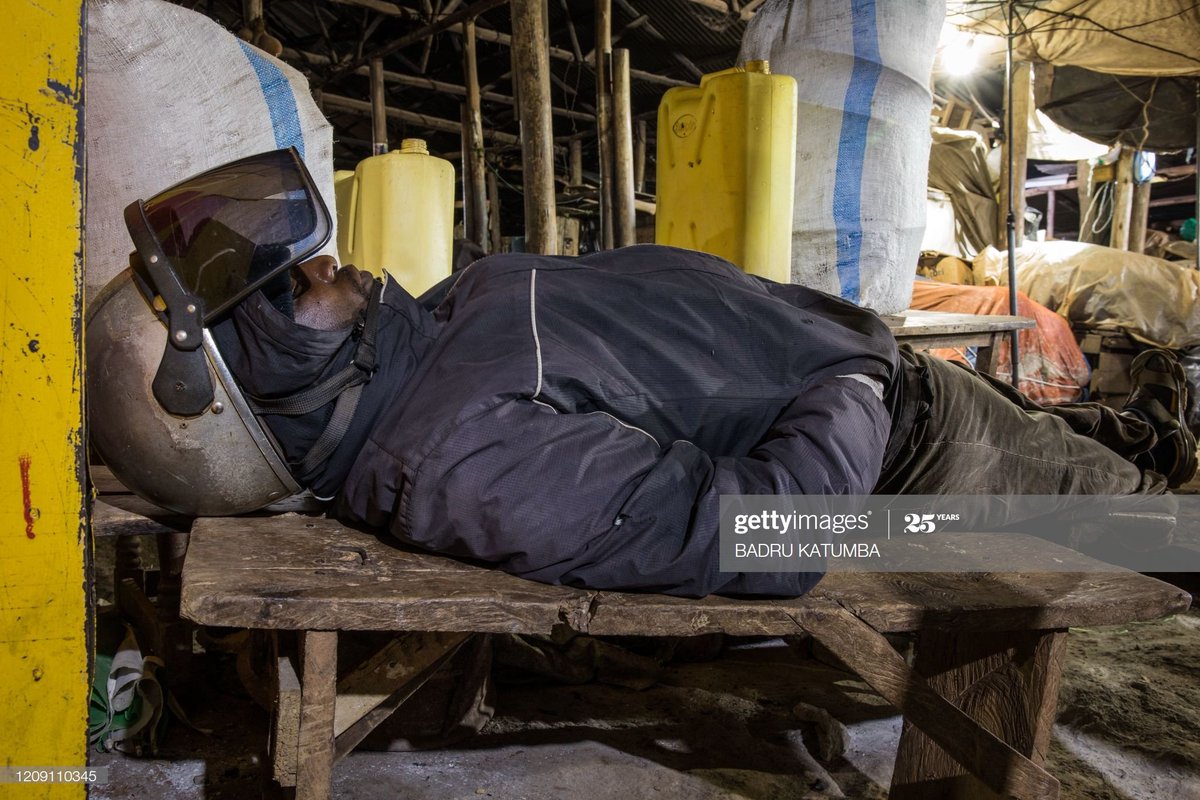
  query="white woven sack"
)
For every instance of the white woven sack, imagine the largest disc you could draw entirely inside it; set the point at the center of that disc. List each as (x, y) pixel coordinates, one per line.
(862, 71)
(170, 93)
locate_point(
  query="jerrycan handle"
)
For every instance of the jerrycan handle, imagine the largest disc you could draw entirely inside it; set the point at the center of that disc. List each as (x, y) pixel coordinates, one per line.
(760, 66)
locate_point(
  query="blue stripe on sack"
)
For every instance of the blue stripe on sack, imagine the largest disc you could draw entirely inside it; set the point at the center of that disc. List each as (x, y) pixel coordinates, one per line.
(852, 146)
(281, 102)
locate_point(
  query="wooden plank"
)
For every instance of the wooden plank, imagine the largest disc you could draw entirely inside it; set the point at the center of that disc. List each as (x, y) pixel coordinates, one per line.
(916, 322)
(285, 722)
(293, 572)
(531, 70)
(1016, 140)
(1139, 217)
(420, 659)
(1002, 769)
(1008, 683)
(396, 664)
(1122, 210)
(129, 515)
(318, 683)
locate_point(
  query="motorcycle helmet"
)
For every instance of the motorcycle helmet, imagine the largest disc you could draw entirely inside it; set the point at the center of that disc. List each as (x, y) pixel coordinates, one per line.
(165, 413)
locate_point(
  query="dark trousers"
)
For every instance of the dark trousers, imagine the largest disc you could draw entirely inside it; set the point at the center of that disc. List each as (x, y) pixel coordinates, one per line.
(977, 435)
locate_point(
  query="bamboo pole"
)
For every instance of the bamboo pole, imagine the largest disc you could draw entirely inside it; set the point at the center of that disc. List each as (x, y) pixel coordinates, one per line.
(604, 142)
(413, 118)
(624, 219)
(497, 37)
(531, 68)
(439, 25)
(575, 163)
(379, 135)
(474, 169)
(639, 155)
(493, 194)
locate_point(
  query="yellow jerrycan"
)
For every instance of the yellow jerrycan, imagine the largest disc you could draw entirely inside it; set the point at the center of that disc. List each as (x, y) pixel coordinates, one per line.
(344, 189)
(400, 216)
(727, 166)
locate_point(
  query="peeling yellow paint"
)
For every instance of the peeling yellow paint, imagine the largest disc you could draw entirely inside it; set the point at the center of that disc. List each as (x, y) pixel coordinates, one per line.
(44, 609)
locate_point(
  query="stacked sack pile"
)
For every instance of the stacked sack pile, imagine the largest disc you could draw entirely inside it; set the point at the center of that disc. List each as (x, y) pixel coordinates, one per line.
(170, 93)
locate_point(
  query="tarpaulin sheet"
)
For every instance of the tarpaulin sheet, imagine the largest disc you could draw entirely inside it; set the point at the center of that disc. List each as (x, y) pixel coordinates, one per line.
(1053, 369)
(958, 167)
(1146, 37)
(1151, 299)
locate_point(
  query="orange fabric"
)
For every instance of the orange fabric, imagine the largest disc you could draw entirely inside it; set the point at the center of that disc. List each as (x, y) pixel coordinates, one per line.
(1053, 368)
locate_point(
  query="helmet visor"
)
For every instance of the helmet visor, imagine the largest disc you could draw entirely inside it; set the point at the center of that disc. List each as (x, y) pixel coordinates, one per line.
(233, 229)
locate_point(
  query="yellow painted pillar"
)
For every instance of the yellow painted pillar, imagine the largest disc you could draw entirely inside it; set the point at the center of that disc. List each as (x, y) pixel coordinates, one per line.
(44, 605)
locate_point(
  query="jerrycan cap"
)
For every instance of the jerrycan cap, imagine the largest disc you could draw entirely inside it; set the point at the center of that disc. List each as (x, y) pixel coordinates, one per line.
(414, 146)
(760, 66)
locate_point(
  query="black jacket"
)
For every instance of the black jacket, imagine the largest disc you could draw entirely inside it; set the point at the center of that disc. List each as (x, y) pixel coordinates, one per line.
(576, 420)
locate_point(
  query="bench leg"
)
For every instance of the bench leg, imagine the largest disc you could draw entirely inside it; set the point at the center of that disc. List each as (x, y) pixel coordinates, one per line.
(318, 690)
(987, 357)
(1007, 682)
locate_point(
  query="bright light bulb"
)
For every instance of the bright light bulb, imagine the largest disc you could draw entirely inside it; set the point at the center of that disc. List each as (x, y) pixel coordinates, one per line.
(959, 57)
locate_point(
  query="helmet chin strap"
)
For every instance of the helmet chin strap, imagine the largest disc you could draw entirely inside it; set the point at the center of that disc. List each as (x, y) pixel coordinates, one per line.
(345, 387)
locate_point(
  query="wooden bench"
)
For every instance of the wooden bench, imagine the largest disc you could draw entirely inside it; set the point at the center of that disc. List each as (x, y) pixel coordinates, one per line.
(923, 330)
(979, 699)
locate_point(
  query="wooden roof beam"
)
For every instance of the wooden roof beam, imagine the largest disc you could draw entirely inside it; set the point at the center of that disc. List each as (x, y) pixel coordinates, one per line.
(446, 23)
(431, 84)
(362, 107)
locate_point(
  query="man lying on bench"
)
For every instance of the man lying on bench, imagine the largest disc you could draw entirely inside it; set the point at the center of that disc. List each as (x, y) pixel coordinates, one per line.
(570, 420)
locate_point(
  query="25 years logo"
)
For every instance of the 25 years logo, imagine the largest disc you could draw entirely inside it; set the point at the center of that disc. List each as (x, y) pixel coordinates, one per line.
(919, 523)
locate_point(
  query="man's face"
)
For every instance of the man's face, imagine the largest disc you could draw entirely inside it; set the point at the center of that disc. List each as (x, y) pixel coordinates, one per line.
(327, 298)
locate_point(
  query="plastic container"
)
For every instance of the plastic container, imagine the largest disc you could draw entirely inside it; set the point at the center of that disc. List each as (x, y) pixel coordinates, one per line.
(344, 189)
(401, 216)
(862, 138)
(726, 168)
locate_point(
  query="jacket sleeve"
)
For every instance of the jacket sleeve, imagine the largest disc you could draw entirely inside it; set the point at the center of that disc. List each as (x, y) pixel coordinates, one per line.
(585, 500)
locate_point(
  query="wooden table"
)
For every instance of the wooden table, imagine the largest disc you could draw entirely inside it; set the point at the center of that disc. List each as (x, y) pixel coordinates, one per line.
(978, 702)
(923, 330)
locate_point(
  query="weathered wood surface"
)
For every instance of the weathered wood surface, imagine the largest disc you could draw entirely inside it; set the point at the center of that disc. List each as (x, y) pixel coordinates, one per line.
(918, 322)
(1017, 140)
(1122, 201)
(474, 173)
(406, 668)
(285, 722)
(531, 72)
(298, 573)
(993, 746)
(116, 511)
(624, 216)
(1007, 683)
(397, 663)
(315, 745)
